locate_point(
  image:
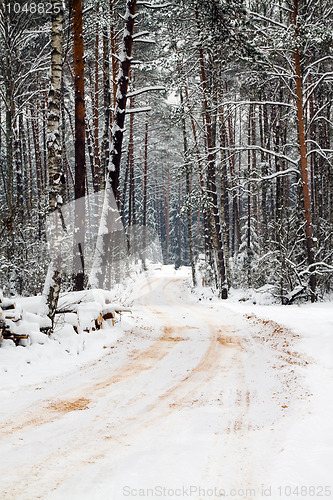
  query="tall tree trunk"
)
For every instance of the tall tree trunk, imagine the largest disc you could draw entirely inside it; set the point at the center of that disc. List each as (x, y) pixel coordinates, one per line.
(200, 168)
(210, 132)
(179, 262)
(249, 252)
(166, 195)
(225, 217)
(38, 166)
(144, 198)
(19, 172)
(39, 134)
(6, 18)
(145, 179)
(97, 173)
(188, 193)
(44, 135)
(105, 153)
(114, 60)
(56, 175)
(264, 142)
(236, 233)
(80, 165)
(121, 100)
(304, 164)
(29, 144)
(9, 144)
(25, 169)
(131, 195)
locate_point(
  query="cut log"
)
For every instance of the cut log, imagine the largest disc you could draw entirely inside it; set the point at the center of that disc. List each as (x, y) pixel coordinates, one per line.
(99, 322)
(6, 304)
(17, 338)
(109, 315)
(13, 315)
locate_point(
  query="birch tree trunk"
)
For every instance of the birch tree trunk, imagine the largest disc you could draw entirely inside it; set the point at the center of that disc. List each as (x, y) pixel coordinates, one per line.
(54, 154)
(9, 107)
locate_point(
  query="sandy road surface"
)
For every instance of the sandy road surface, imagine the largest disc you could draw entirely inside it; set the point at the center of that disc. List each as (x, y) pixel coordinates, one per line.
(200, 400)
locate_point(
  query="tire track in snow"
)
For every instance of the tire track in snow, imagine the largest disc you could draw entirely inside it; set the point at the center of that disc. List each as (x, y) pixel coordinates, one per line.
(222, 361)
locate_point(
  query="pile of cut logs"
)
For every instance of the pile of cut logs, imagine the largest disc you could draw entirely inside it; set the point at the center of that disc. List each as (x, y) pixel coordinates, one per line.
(89, 316)
(83, 314)
(10, 316)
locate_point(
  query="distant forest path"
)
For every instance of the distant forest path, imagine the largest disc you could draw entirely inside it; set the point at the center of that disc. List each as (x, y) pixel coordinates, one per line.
(192, 399)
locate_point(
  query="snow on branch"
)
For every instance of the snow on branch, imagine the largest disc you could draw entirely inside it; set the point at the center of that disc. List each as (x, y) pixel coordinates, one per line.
(144, 40)
(136, 62)
(264, 150)
(315, 85)
(138, 110)
(156, 6)
(143, 90)
(88, 9)
(269, 20)
(318, 61)
(273, 176)
(141, 33)
(259, 103)
(317, 115)
(315, 267)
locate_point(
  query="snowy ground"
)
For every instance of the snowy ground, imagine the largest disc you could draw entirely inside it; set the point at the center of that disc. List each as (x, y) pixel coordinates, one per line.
(183, 399)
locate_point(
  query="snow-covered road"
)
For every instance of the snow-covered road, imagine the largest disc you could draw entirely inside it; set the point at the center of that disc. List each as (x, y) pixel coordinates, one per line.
(192, 402)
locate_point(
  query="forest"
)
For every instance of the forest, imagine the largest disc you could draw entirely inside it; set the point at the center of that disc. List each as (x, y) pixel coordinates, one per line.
(205, 126)
(166, 250)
